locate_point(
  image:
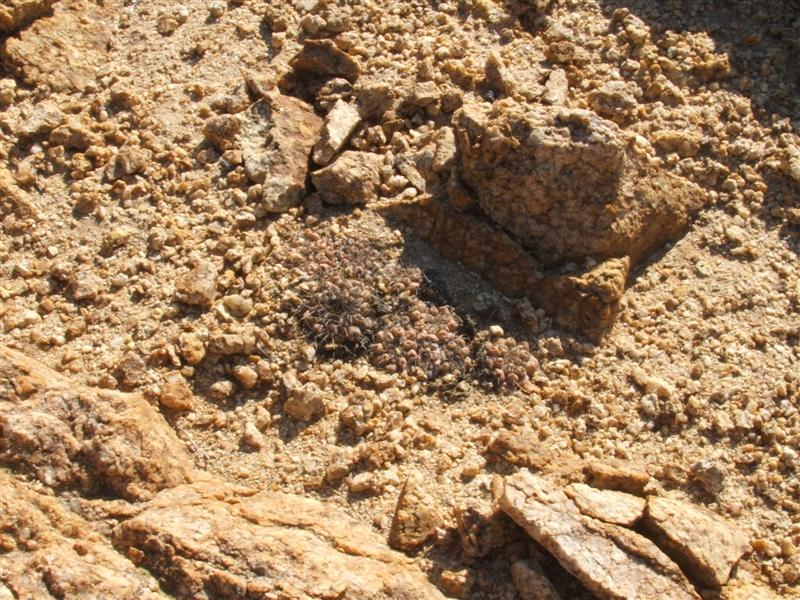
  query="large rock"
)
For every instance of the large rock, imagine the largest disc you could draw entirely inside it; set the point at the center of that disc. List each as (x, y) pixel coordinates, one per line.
(46, 551)
(16, 14)
(416, 516)
(208, 541)
(340, 123)
(618, 508)
(568, 184)
(611, 561)
(69, 436)
(276, 138)
(64, 51)
(322, 58)
(702, 542)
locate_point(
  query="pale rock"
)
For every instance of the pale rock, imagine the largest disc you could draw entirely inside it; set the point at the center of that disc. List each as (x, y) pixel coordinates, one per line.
(305, 402)
(613, 507)
(531, 582)
(611, 561)
(556, 88)
(353, 178)
(199, 286)
(246, 376)
(252, 437)
(339, 125)
(703, 543)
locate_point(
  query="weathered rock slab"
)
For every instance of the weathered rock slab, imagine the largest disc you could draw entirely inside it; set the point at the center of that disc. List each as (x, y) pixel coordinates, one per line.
(46, 551)
(611, 561)
(339, 125)
(210, 541)
(69, 436)
(609, 506)
(16, 14)
(703, 543)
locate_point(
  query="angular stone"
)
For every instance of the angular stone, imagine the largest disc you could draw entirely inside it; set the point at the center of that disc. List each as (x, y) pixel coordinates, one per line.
(482, 528)
(340, 123)
(611, 561)
(321, 58)
(416, 517)
(276, 139)
(64, 51)
(213, 541)
(305, 402)
(46, 552)
(620, 476)
(703, 543)
(69, 436)
(566, 185)
(16, 14)
(618, 508)
(199, 286)
(353, 178)
(519, 449)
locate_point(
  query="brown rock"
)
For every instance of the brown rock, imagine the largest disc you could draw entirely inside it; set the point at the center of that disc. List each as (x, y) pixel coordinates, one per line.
(45, 117)
(199, 286)
(566, 185)
(353, 178)
(618, 508)
(519, 449)
(703, 543)
(276, 139)
(64, 51)
(222, 131)
(305, 402)
(46, 551)
(482, 528)
(611, 561)
(176, 393)
(321, 58)
(416, 517)
(623, 477)
(17, 14)
(96, 441)
(211, 541)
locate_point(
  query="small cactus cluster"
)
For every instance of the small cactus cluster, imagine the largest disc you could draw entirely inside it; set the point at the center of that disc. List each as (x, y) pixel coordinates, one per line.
(503, 362)
(350, 298)
(424, 342)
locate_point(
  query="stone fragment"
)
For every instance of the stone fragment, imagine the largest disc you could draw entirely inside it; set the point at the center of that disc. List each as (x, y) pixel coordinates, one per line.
(353, 178)
(340, 123)
(620, 476)
(45, 117)
(222, 131)
(611, 561)
(199, 286)
(17, 14)
(49, 552)
(519, 449)
(85, 285)
(277, 136)
(618, 508)
(252, 437)
(556, 88)
(246, 376)
(214, 541)
(321, 58)
(176, 393)
(416, 517)
(231, 344)
(305, 402)
(703, 543)
(40, 55)
(237, 305)
(192, 348)
(73, 437)
(482, 528)
(709, 475)
(531, 582)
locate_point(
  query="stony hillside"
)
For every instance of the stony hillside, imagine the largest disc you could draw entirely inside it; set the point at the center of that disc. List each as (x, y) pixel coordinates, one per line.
(484, 299)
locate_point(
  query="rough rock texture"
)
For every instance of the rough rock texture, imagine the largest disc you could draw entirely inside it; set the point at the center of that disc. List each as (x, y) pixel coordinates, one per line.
(587, 301)
(568, 184)
(213, 541)
(703, 543)
(276, 138)
(321, 58)
(71, 436)
(611, 561)
(618, 508)
(531, 582)
(353, 178)
(64, 51)
(619, 476)
(16, 14)
(340, 123)
(46, 551)
(416, 516)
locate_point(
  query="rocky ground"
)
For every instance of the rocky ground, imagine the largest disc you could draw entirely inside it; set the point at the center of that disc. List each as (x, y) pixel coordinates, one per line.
(334, 299)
